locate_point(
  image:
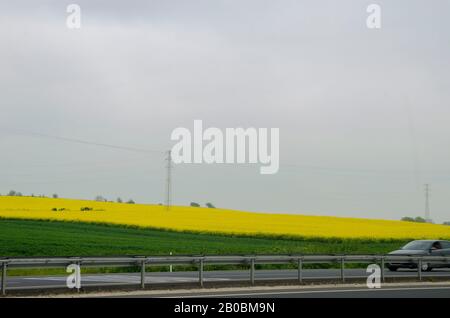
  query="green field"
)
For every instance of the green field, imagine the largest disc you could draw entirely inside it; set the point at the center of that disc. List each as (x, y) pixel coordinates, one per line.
(47, 238)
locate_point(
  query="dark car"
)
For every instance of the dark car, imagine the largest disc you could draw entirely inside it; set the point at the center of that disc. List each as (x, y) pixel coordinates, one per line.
(422, 248)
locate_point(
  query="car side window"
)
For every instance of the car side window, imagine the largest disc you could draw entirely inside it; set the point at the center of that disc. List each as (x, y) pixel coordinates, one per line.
(445, 245)
(436, 246)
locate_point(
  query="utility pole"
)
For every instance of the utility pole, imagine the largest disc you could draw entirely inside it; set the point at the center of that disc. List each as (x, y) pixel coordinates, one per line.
(169, 180)
(427, 203)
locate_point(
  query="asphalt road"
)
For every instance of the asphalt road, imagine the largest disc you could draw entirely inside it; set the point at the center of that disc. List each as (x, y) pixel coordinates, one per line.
(403, 291)
(191, 277)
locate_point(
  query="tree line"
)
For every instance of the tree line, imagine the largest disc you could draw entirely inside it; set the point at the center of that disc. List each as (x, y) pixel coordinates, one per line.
(208, 205)
(418, 219)
(98, 198)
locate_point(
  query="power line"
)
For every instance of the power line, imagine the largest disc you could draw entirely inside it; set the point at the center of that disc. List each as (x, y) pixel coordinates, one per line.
(169, 166)
(154, 151)
(111, 146)
(86, 142)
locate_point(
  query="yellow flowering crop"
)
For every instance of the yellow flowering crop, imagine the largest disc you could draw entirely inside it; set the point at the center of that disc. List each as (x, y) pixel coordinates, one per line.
(216, 220)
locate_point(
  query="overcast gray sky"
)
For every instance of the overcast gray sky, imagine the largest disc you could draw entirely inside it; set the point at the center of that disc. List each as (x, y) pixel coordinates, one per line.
(363, 114)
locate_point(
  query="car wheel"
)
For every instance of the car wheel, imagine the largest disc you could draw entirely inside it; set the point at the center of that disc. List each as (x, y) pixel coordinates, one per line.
(426, 267)
(393, 268)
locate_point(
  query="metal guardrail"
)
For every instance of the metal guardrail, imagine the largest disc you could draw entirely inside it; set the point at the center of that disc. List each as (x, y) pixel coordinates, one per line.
(201, 261)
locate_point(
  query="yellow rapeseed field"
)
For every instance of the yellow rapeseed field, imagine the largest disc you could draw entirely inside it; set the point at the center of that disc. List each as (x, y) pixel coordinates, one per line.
(216, 220)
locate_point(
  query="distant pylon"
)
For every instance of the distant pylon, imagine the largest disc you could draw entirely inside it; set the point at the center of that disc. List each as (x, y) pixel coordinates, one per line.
(169, 180)
(427, 203)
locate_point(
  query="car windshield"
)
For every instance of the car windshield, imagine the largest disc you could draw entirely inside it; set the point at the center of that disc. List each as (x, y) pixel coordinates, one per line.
(417, 245)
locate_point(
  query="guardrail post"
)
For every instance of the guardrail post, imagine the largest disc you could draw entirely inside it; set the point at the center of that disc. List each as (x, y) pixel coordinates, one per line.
(419, 269)
(300, 270)
(200, 273)
(4, 268)
(382, 269)
(252, 271)
(342, 269)
(79, 277)
(143, 274)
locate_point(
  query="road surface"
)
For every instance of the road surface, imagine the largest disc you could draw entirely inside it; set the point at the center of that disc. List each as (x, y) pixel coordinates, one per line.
(192, 277)
(401, 291)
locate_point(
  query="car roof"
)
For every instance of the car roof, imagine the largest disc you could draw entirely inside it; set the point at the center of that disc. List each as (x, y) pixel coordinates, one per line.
(429, 241)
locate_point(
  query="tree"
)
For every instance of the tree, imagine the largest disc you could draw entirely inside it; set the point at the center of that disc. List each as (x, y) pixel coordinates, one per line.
(210, 205)
(119, 200)
(195, 204)
(11, 193)
(417, 219)
(446, 223)
(55, 196)
(99, 198)
(420, 220)
(130, 201)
